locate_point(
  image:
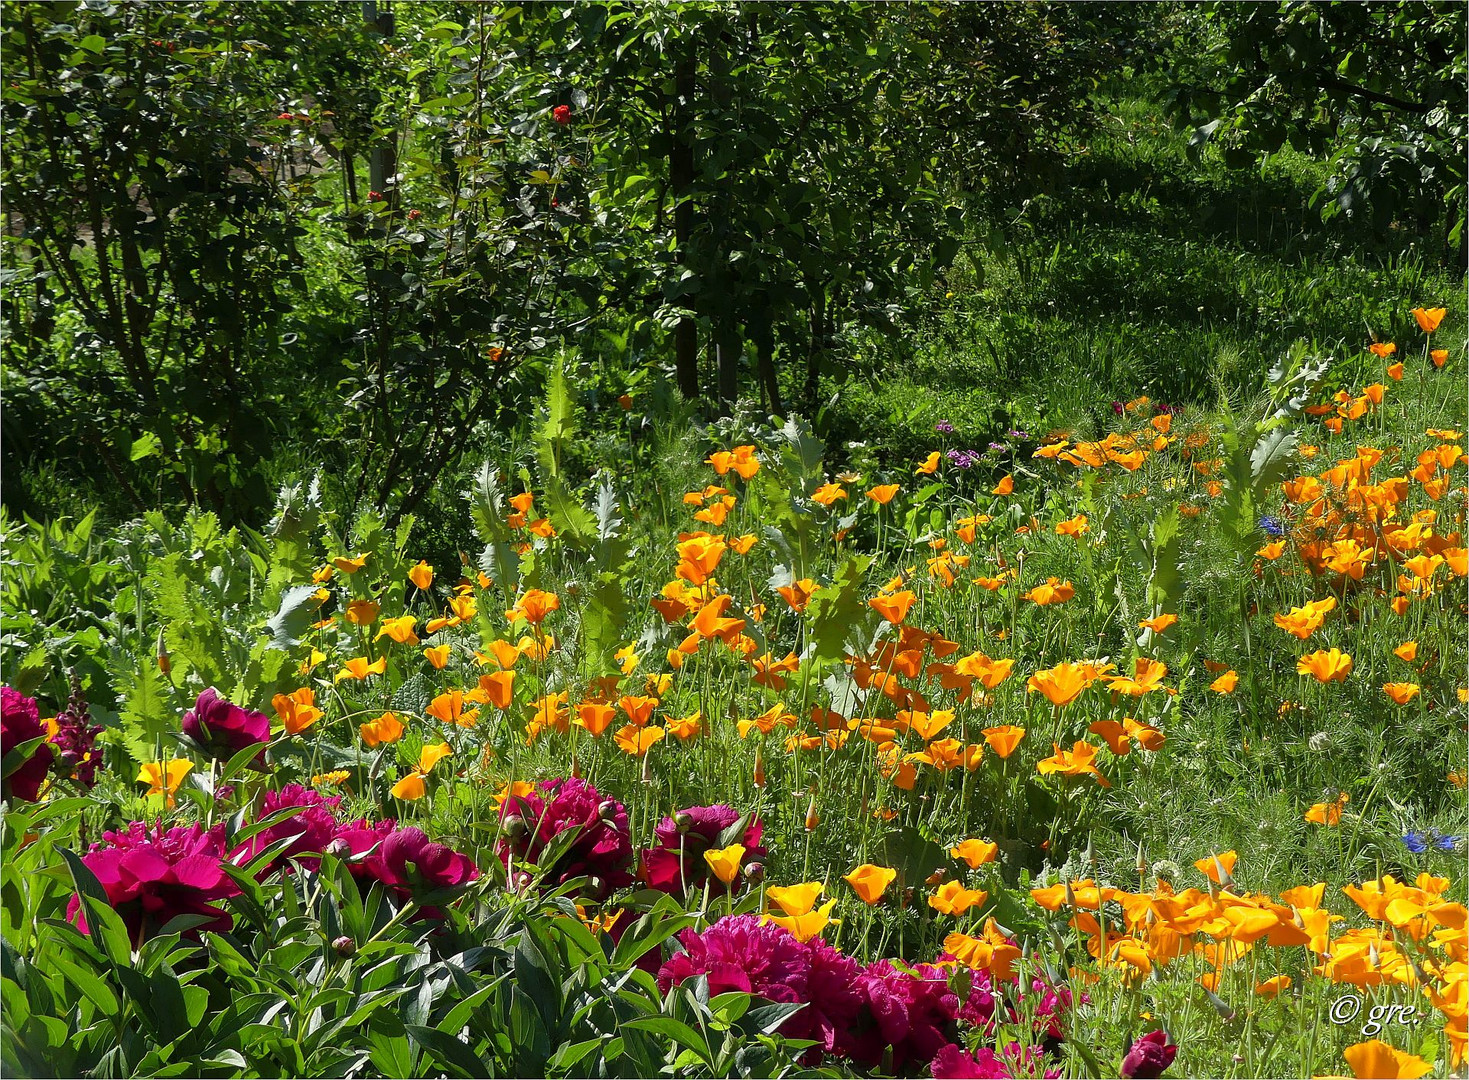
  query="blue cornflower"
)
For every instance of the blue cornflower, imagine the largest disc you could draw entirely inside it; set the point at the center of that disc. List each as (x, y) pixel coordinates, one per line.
(1272, 526)
(1415, 842)
(1419, 842)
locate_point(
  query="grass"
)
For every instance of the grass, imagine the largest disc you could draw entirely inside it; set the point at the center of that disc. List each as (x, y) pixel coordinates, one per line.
(1143, 273)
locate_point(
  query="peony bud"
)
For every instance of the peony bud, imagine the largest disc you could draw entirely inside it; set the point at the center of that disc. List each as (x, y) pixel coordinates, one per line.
(338, 849)
(754, 872)
(514, 827)
(344, 947)
(607, 810)
(683, 821)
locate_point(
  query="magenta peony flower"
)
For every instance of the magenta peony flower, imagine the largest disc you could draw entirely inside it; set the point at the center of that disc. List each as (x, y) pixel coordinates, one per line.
(409, 861)
(1149, 1057)
(223, 729)
(602, 851)
(677, 864)
(314, 826)
(952, 1063)
(914, 1014)
(835, 1002)
(739, 953)
(152, 877)
(20, 723)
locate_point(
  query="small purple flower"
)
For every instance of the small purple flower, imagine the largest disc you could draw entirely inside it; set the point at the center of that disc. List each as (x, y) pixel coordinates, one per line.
(75, 741)
(1118, 408)
(944, 426)
(997, 446)
(1016, 433)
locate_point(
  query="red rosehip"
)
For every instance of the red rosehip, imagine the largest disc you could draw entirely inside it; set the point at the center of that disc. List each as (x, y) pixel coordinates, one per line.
(561, 114)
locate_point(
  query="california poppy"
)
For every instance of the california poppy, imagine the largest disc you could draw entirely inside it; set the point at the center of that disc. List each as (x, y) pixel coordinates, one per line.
(807, 925)
(385, 729)
(400, 630)
(1325, 666)
(1379, 1060)
(975, 852)
(1006, 485)
(164, 777)
(952, 898)
(411, 786)
(1004, 739)
(725, 862)
(882, 494)
(448, 707)
(1060, 685)
(1429, 318)
(422, 576)
(438, 656)
(869, 882)
(594, 716)
(1400, 692)
(1226, 683)
(637, 741)
(1078, 761)
(930, 464)
(1052, 592)
(359, 668)
(893, 608)
(296, 710)
(794, 899)
(1328, 813)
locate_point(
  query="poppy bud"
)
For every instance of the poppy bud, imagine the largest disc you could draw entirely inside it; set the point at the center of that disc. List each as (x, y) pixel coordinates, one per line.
(165, 665)
(813, 819)
(344, 947)
(759, 775)
(754, 872)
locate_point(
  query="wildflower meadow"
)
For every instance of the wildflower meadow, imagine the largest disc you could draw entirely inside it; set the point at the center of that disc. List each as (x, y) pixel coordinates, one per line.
(1045, 717)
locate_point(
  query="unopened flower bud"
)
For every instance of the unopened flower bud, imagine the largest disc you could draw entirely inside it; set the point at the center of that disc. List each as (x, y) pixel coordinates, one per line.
(607, 810)
(754, 872)
(344, 947)
(513, 827)
(813, 819)
(595, 885)
(759, 775)
(683, 821)
(165, 664)
(338, 849)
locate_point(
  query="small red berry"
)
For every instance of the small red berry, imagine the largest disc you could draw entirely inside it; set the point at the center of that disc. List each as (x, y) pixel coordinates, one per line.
(414, 215)
(374, 196)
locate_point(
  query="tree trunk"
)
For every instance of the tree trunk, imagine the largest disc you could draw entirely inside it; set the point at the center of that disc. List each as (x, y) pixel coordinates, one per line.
(681, 175)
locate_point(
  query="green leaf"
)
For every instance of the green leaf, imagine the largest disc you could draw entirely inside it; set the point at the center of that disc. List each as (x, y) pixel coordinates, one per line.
(104, 925)
(145, 446)
(295, 613)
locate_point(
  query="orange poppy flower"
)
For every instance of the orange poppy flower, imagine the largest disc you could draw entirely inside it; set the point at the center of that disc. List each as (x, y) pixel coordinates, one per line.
(975, 852)
(1149, 738)
(882, 494)
(1302, 622)
(1408, 651)
(1077, 761)
(1428, 319)
(1400, 692)
(349, 565)
(594, 716)
(533, 606)
(1217, 867)
(869, 882)
(794, 899)
(422, 576)
(930, 465)
(1226, 683)
(495, 688)
(637, 741)
(1062, 684)
(1158, 623)
(1395, 371)
(1147, 676)
(1380, 1061)
(1382, 349)
(952, 898)
(1440, 357)
(807, 925)
(362, 612)
(1073, 526)
(387, 728)
(400, 630)
(1118, 740)
(1328, 813)
(1052, 592)
(297, 710)
(685, 727)
(438, 656)
(411, 786)
(1006, 485)
(501, 653)
(359, 668)
(448, 707)
(741, 545)
(1325, 666)
(1273, 987)
(1004, 739)
(798, 593)
(725, 862)
(894, 608)
(828, 493)
(164, 778)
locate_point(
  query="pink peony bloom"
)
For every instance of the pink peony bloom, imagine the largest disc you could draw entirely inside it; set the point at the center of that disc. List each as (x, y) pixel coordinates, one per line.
(223, 729)
(1013, 1063)
(20, 723)
(677, 864)
(739, 953)
(152, 877)
(1149, 1057)
(602, 851)
(314, 826)
(914, 1014)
